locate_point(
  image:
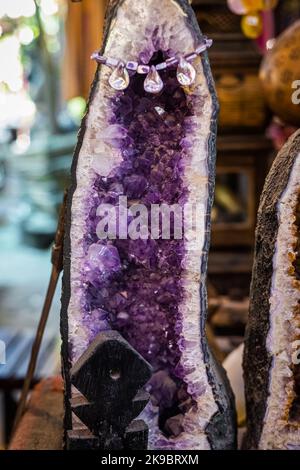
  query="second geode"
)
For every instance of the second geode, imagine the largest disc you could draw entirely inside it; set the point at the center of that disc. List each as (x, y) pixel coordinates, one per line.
(272, 347)
(152, 149)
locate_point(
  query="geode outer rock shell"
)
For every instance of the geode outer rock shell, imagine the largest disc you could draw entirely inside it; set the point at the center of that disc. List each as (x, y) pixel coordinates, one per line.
(153, 149)
(271, 359)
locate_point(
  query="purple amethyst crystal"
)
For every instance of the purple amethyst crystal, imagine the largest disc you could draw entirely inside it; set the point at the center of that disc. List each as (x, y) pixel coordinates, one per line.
(135, 185)
(101, 260)
(160, 149)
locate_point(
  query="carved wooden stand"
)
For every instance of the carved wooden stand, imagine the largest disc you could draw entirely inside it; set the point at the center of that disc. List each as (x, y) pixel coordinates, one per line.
(109, 377)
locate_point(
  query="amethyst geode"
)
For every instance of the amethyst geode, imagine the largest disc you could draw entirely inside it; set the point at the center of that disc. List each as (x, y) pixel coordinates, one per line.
(153, 149)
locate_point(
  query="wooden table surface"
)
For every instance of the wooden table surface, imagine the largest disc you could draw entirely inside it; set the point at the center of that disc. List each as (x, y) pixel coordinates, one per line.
(41, 427)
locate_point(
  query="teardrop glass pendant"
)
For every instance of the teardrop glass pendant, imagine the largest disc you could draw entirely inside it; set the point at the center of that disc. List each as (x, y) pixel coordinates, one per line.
(119, 79)
(186, 73)
(153, 82)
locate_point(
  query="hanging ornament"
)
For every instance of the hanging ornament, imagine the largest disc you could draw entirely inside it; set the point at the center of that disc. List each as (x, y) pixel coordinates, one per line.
(253, 5)
(252, 21)
(242, 7)
(252, 25)
(119, 79)
(153, 82)
(237, 7)
(269, 4)
(186, 73)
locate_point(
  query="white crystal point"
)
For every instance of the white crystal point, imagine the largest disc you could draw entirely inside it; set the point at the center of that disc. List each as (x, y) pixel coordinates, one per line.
(103, 164)
(119, 79)
(186, 73)
(153, 82)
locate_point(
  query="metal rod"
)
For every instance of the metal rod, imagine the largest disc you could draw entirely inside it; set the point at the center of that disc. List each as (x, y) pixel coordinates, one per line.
(57, 266)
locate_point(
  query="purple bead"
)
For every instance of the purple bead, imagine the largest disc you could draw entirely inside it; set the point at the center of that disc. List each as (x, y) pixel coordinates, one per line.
(112, 62)
(143, 69)
(171, 61)
(202, 47)
(132, 65)
(191, 56)
(161, 66)
(98, 58)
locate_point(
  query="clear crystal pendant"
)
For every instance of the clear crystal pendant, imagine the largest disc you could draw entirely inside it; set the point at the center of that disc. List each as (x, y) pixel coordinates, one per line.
(153, 82)
(186, 73)
(119, 79)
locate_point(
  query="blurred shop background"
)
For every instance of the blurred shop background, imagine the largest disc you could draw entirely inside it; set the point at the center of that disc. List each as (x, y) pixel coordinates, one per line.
(45, 75)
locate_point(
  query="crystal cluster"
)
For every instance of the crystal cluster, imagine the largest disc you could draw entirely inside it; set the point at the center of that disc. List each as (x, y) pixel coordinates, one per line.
(135, 286)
